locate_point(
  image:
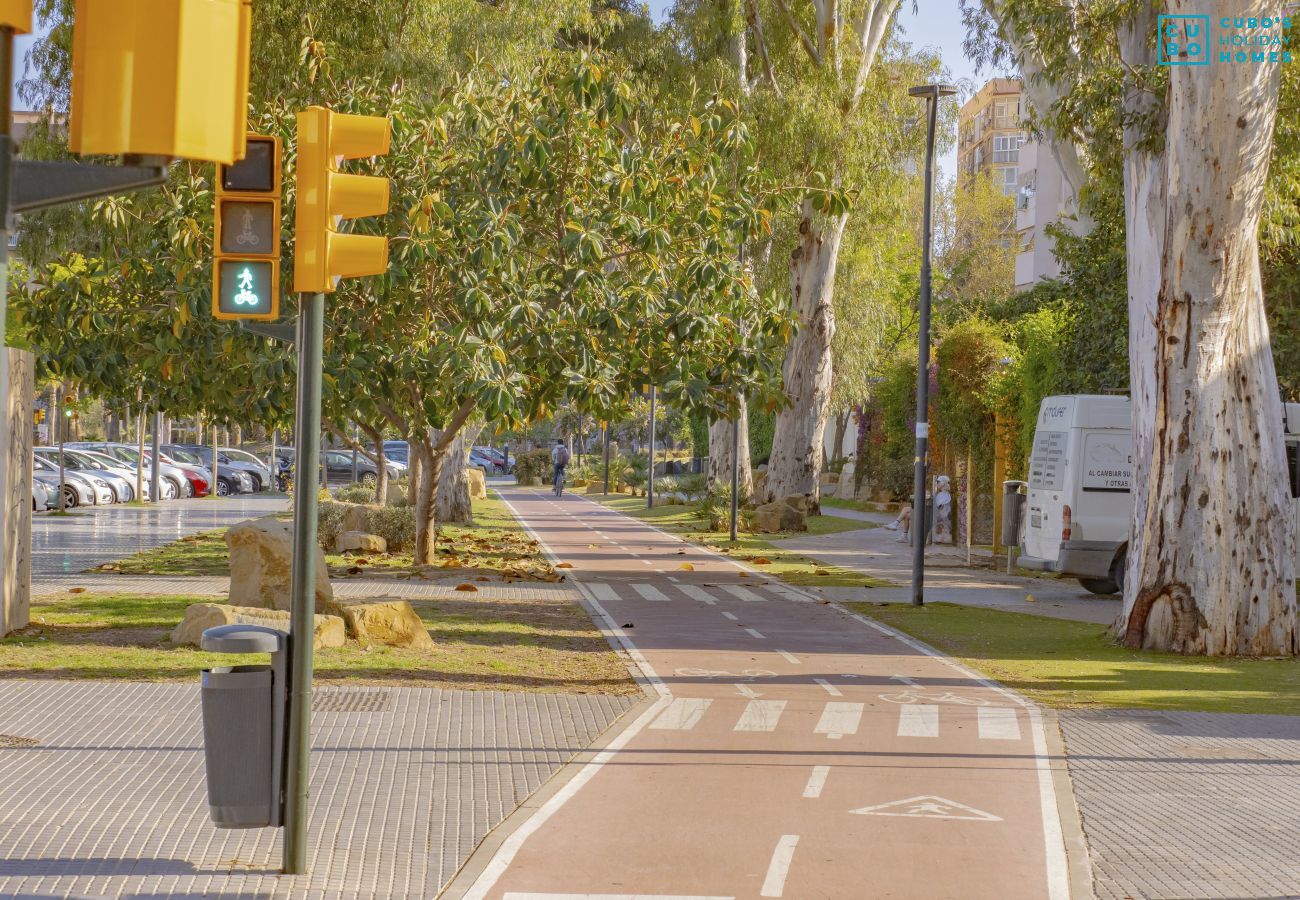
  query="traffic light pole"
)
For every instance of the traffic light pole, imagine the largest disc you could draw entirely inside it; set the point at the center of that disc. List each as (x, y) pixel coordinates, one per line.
(650, 476)
(302, 588)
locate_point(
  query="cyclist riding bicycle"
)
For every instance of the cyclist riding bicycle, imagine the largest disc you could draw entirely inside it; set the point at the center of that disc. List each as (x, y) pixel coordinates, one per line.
(559, 459)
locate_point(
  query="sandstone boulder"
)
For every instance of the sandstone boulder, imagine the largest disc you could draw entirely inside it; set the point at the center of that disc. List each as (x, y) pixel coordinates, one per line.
(385, 620)
(261, 559)
(328, 631)
(844, 490)
(598, 487)
(780, 515)
(360, 540)
(477, 479)
(355, 517)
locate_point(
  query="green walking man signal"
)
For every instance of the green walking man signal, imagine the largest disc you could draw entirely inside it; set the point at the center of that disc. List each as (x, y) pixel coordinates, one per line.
(246, 234)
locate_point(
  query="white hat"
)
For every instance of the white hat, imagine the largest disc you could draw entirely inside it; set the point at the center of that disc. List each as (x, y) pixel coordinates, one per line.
(942, 479)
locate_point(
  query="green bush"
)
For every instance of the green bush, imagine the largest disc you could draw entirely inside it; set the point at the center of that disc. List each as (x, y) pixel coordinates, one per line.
(355, 493)
(533, 467)
(395, 524)
(715, 507)
(329, 516)
(634, 471)
(693, 486)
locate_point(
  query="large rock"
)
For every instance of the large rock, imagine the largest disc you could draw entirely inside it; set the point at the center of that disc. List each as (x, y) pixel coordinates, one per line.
(782, 515)
(477, 479)
(327, 631)
(355, 517)
(360, 540)
(385, 620)
(261, 560)
(844, 490)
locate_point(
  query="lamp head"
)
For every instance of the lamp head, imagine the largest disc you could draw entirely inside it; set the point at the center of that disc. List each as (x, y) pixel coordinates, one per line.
(933, 91)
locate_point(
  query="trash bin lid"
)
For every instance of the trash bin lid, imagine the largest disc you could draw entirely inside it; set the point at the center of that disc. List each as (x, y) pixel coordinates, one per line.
(243, 639)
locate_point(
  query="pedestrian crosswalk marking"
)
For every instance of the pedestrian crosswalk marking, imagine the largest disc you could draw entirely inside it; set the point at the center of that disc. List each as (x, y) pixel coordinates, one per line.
(605, 593)
(698, 593)
(829, 688)
(789, 657)
(788, 593)
(998, 723)
(918, 720)
(839, 719)
(816, 781)
(755, 633)
(742, 593)
(682, 714)
(650, 592)
(732, 616)
(760, 715)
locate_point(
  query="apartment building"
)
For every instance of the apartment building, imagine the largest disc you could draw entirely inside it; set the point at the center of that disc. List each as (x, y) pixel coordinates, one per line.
(992, 140)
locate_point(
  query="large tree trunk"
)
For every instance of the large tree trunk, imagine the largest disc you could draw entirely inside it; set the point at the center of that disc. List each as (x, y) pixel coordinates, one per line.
(720, 444)
(1214, 569)
(453, 484)
(381, 463)
(795, 466)
(414, 473)
(841, 430)
(430, 467)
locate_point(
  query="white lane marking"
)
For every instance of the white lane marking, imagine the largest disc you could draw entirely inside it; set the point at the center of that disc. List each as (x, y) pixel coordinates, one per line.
(650, 592)
(682, 714)
(672, 578)
(786, 655)
(816, 781)
(746, 691)
(742, 593)
(839, 719)
(918, 720)
(534, 895)
(755, 634)
(928, 807)
(698, 593)
(779, 868)
(760, 715)
(605, 593)
(646, 562)
(829, 688)
(998, 723)
(907, 681)
(732, 616)
(789, 593)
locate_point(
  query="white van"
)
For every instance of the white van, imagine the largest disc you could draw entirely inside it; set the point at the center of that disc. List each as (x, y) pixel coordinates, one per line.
(1076, 518)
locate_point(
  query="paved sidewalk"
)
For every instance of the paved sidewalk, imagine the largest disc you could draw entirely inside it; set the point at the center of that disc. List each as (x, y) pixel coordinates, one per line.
(110, 800)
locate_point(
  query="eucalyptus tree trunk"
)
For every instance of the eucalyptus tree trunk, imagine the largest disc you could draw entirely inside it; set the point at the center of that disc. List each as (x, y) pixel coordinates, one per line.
(424, 484)
(1212, 568)
(720, 445)
(453, 500)
(795, 466)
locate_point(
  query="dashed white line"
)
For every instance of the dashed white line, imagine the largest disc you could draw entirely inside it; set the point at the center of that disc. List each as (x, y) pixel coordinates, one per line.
(732, 616)
(672, 578)
(918, 720)
(998, 723)
(754, 633)
(760, 715)
(682, 714)
(816, 781)
(829, 688)
(779, 867)
(786, 655)
(838, 719)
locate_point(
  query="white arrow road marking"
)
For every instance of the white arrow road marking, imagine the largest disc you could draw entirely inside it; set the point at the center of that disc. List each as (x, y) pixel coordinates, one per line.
(998, 723)
(918, 720)
(650, 592)
(839, 719)
(816, 781)
(829, 688)
(928, 807)
(742, 593)
(682, 714)
(789, 657)
(760, 715)
(746, 691)
(605, 593)
(907, 681)
(698, 593)
(779, 867)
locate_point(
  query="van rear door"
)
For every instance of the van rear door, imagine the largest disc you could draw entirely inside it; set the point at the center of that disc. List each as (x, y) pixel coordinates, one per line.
(1041, 529)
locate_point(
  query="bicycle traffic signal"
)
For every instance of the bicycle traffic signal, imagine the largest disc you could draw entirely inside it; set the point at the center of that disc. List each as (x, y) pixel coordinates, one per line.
(323, 255)
(246, 234)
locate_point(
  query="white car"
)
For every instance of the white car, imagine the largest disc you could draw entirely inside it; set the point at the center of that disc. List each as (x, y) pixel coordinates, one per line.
(79, 488)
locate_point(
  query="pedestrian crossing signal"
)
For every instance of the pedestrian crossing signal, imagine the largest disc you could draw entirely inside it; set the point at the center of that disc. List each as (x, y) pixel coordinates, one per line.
(246, 234)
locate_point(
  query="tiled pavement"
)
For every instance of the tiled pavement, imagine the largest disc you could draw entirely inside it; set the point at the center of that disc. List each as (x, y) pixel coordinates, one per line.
(1187, 805)
(111, 800)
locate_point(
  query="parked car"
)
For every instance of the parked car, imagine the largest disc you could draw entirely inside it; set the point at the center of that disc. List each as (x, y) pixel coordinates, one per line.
(172, 478)
(121, 468)
(257, 468)
(79, 488)
(488, 463)
(338, 467)
(123, 486)
(237, 476)
(397, 451)
(45, 492)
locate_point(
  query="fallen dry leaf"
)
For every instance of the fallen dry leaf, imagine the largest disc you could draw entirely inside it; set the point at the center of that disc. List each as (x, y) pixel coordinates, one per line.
(761, 561)
(482, 578)
(355, 570)
(564, 565)
(464, 586)
(76, 590)
(686, 567)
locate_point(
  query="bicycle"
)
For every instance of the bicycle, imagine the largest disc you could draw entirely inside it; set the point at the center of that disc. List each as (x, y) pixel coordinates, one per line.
(558, 487)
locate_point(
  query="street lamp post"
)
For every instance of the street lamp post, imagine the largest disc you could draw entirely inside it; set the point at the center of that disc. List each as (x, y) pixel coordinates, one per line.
(920, 521)
(650, 481)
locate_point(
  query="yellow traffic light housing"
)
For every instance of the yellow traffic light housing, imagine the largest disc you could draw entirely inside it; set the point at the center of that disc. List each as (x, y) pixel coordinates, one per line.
(322, 255)
(246, 234)
(160, 78)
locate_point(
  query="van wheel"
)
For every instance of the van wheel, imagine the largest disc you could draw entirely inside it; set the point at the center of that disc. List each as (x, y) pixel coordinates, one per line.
(1099, 585)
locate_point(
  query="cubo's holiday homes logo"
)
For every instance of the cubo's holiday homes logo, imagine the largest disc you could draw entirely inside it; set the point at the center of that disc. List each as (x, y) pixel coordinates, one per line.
(1195, 40)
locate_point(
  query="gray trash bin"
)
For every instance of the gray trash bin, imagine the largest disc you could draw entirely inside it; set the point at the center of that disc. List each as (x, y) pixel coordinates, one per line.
(1014, 495)
(243, 727)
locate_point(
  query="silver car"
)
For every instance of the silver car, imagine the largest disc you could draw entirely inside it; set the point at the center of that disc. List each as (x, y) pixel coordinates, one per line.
(122, 483)
(172, 479)
(79, 488)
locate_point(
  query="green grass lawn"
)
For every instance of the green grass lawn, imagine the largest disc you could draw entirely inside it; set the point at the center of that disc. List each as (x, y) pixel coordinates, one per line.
(1068, 664)
(790, 567)
(495, 544)
(535, 645)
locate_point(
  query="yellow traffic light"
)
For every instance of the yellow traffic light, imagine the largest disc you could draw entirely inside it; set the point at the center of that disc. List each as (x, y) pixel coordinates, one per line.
(322, 255)
(40, 415)
(160, 78)
(16, 14)
(246, 234)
